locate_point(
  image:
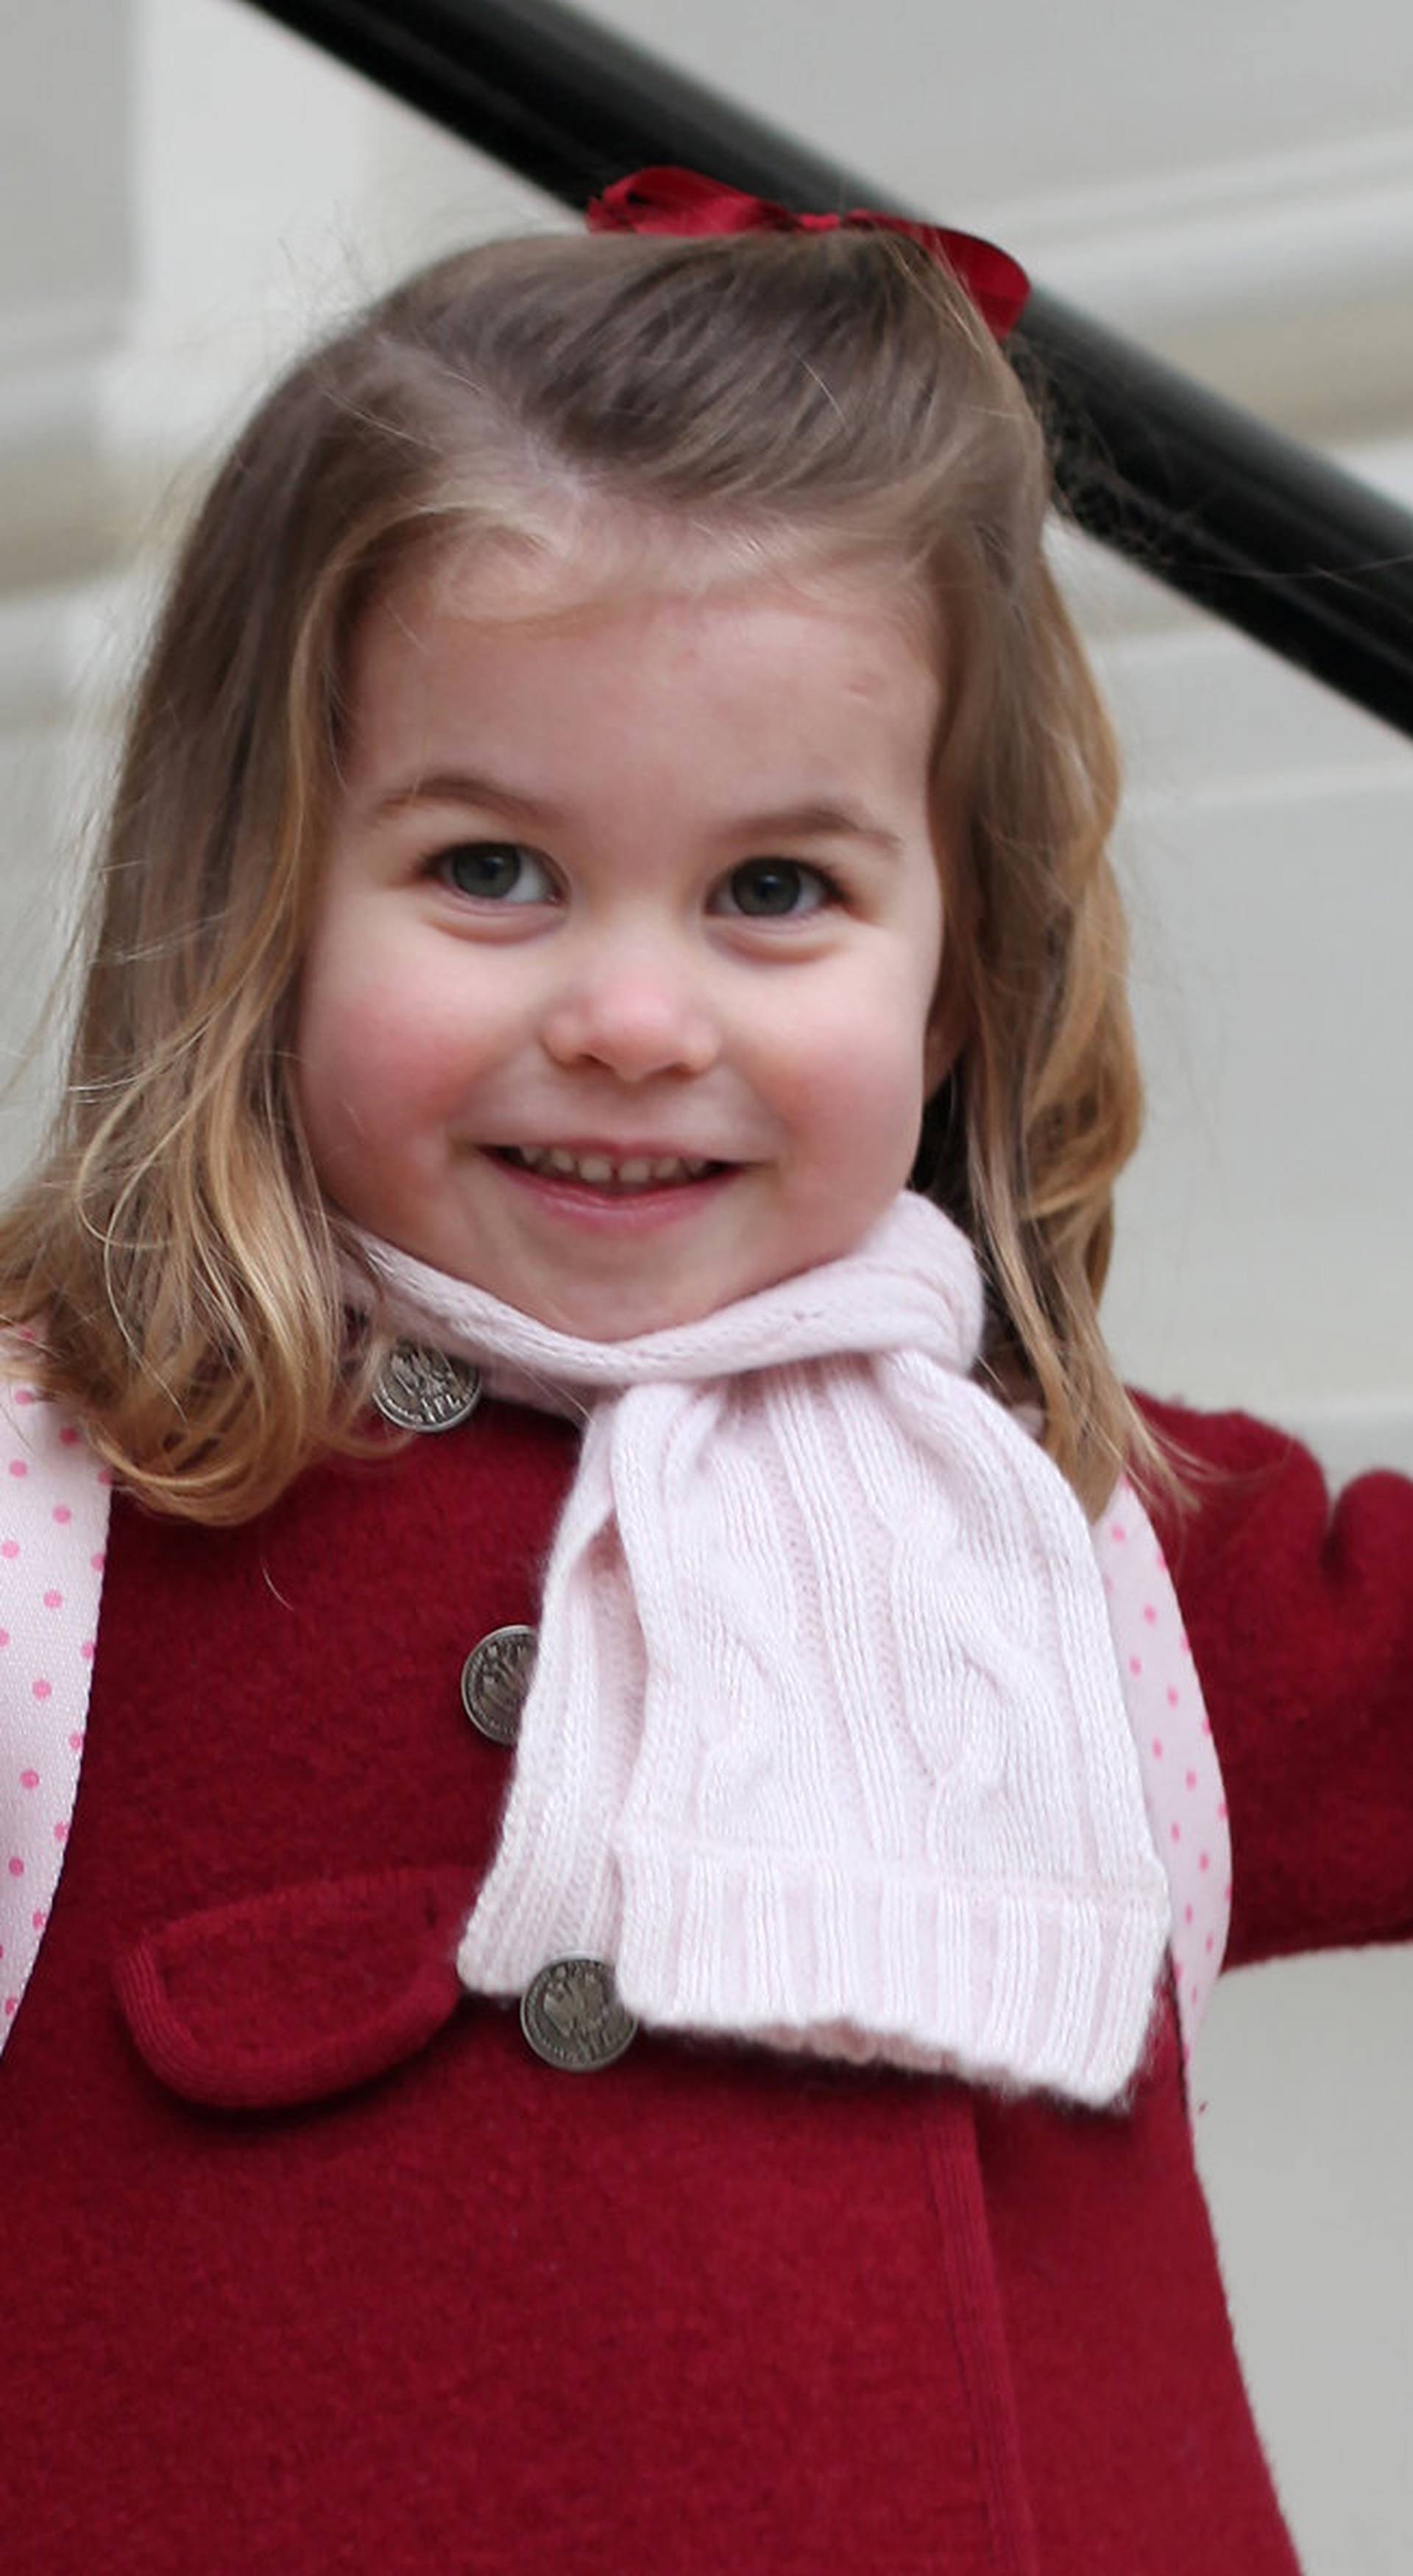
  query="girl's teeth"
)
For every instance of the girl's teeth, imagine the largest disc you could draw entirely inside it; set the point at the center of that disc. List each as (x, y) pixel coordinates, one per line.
(599, 1171)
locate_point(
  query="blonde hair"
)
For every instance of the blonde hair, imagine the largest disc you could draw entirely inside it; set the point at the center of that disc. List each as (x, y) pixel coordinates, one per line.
(785, 396)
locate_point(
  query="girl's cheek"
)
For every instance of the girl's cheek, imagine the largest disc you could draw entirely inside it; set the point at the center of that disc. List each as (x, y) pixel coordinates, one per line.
(854, 1113)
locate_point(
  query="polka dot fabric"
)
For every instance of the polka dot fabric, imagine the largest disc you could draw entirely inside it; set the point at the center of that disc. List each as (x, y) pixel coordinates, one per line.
(1177, 1759)
(54, 1502)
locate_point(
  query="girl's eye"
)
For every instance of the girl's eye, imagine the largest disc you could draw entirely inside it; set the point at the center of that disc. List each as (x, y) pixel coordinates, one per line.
(775, 890)
(495, 872)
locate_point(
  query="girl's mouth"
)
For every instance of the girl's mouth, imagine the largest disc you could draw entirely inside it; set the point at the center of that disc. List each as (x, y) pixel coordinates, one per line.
(615, 1176)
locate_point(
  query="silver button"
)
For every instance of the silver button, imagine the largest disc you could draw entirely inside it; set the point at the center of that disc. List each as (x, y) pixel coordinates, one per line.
(572, 2018)
(426, 1390)
(495, 1680)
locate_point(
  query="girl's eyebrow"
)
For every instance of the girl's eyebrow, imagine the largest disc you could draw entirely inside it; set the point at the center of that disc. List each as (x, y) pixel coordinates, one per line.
(459, 787)
(816, 822)
(812, 821)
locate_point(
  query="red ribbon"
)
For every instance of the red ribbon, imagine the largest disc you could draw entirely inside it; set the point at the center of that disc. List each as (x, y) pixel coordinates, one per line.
(684, 203)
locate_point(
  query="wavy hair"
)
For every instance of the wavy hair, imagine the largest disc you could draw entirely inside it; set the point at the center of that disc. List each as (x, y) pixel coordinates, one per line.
(831, 398)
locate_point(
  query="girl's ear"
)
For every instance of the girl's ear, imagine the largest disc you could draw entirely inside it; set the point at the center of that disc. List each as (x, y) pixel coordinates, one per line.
(940, 1152)
(949, 1021)
(948, 1024)
(939, 1051)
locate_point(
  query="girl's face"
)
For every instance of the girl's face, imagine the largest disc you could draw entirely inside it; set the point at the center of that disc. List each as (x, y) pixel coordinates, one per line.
(618, 998)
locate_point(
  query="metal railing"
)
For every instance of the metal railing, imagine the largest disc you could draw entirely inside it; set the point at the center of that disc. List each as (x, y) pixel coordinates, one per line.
(1265, 532)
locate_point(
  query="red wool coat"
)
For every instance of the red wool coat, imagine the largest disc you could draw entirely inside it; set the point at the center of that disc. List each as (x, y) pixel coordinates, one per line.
(414, 2303)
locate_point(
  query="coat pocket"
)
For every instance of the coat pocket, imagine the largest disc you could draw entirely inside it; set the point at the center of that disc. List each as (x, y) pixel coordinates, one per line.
(299, 1994)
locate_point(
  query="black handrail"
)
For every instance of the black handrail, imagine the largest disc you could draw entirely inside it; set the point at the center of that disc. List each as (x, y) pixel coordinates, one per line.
(1263, 531)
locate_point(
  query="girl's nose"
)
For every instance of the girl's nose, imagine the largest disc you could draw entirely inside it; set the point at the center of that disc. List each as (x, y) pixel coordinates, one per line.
(634, 1009)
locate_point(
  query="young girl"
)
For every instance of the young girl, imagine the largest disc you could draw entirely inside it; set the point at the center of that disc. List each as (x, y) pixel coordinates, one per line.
(578, 1217)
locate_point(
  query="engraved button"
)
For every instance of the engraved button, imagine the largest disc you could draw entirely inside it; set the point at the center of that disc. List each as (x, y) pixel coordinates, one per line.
(495, 1679)
(425, 1390)
(572, 2018)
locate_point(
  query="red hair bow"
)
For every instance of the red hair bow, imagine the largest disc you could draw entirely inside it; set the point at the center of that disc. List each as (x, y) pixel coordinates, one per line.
(682, 202)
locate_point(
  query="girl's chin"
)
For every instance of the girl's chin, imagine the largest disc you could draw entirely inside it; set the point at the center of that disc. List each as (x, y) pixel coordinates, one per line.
(604, 1265)
(608, 1313)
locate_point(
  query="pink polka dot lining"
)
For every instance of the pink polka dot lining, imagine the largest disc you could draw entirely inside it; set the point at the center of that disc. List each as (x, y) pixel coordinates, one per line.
(52, 1535)
(1177, 1759)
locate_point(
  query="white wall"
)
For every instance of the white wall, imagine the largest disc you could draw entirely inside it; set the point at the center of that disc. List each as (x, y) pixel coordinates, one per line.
(188, 191)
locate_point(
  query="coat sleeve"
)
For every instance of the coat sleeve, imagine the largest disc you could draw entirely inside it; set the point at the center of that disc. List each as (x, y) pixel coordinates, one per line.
(1300, 1616)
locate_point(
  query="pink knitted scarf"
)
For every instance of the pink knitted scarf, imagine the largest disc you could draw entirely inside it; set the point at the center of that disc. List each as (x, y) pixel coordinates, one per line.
(826, 1742)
